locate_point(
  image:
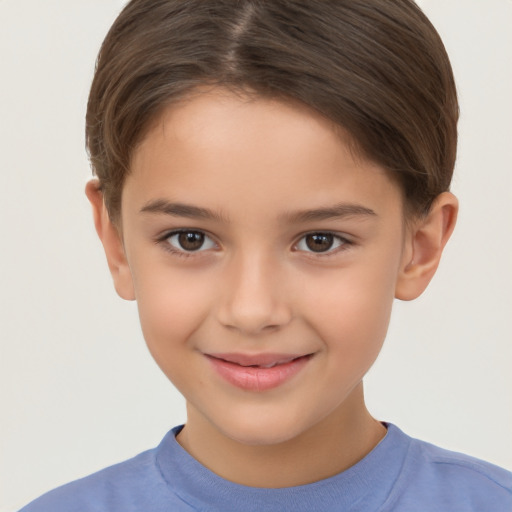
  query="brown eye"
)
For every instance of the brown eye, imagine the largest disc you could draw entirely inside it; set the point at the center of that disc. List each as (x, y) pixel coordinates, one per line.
(190, 241)
(319, 242)
(322, 243)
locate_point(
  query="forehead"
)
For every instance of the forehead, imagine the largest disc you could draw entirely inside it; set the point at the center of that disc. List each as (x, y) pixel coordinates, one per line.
(225, 121)
(231, 150)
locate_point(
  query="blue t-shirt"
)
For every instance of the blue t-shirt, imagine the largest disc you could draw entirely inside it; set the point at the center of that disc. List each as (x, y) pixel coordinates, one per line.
(400, 474)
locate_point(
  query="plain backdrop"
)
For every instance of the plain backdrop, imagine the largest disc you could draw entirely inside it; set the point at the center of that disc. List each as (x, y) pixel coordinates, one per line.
(78, 389)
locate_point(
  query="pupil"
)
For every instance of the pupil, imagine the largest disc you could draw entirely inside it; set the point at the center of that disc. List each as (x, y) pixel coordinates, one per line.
(319, 242)
(191, 241)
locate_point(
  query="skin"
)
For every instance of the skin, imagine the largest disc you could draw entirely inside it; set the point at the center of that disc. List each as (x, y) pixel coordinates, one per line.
(256, 287)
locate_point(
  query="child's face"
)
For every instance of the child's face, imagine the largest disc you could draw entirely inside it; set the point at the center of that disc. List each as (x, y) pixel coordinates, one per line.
(294, 251)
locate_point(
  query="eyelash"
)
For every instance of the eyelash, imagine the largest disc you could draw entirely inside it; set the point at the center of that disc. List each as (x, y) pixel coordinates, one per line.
(344, 244)
(164, 242)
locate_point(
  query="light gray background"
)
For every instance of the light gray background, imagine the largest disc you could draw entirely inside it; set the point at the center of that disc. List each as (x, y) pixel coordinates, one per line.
(78, 389)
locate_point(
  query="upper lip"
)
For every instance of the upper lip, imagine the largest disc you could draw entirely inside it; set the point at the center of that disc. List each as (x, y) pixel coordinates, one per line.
(263, 359)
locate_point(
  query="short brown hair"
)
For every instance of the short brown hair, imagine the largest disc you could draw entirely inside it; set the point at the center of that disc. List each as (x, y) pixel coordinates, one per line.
(377, 68)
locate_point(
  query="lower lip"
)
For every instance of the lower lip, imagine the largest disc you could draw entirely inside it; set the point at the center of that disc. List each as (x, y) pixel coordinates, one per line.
(256, 378)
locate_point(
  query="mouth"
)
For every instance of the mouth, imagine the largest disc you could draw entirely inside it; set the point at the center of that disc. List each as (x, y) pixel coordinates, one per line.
(258, 372)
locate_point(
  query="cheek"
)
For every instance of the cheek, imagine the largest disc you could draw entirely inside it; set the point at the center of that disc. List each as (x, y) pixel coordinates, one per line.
(352, 326)
(351, 307)
(171, 306)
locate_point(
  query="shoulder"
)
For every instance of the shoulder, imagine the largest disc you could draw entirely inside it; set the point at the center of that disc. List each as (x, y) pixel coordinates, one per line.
(450, 481)
(135, 484)
(448, 462)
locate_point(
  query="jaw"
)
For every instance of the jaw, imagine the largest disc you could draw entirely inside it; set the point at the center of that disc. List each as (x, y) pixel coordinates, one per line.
(275, 458)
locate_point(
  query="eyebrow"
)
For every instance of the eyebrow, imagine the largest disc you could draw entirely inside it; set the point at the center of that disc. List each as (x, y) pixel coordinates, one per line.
(180, 210)
(338, 211)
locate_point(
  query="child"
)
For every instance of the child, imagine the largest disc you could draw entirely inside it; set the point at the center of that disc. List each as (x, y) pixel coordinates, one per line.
(270, 176)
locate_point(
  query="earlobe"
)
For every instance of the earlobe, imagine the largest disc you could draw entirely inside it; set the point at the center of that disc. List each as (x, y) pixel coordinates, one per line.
(425, 242)
(112, 242)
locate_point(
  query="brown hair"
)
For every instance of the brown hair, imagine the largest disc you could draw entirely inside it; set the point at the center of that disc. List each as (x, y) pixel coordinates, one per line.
(378, 68)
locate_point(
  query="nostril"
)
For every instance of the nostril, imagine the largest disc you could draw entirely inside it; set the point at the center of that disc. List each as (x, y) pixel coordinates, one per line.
(253, 313)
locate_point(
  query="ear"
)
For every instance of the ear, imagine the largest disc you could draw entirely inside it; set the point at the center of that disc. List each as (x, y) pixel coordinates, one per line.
(112, 242)
(424, 244)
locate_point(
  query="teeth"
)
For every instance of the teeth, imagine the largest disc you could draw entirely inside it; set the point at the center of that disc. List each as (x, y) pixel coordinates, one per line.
(276, 363)
(265, 366)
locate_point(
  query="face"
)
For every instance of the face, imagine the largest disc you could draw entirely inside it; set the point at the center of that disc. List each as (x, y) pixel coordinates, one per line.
(264, 260)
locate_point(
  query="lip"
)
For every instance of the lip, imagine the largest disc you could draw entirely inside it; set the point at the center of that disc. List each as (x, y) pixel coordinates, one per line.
(258, 372)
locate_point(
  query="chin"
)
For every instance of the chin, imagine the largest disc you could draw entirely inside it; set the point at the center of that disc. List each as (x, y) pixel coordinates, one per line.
(261, 439)
(262, 432)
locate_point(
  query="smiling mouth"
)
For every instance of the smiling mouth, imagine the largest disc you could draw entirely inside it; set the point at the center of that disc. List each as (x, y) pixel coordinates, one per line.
(258, 372)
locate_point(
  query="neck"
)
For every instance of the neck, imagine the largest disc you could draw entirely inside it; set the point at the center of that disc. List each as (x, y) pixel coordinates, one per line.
(331, 446)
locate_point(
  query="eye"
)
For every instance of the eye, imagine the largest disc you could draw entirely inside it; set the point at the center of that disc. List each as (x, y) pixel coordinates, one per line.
(189, 241)
(321, 242)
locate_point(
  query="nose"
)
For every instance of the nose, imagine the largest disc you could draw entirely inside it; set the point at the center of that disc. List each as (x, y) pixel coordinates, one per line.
(253, 298)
